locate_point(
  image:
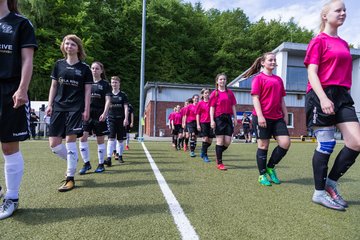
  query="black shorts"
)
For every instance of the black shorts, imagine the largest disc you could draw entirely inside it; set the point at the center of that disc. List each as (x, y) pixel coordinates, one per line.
(246, 129)
(66, 123)
(191, 127)
(343, 107)
(117, 129)
(224, 125)
(15, 123)
(128, 129)
(273, 128)
(206, 130)
(94, 126)
(177, 129)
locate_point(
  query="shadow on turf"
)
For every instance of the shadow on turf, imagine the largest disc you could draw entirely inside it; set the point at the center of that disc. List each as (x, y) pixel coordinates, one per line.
(40, 216)
(91, 183)
(309, 181)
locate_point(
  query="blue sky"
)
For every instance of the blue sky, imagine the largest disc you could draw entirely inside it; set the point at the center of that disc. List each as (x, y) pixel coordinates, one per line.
(305, 12)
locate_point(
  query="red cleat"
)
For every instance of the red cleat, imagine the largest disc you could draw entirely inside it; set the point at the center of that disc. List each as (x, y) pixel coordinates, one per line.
(221, 167)
(127, 147)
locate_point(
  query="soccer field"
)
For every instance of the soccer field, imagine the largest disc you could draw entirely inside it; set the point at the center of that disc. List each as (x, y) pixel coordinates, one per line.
(126, 202)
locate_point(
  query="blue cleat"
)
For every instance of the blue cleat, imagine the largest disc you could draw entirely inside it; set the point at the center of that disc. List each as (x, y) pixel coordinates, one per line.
(100, 168)
(85, 168)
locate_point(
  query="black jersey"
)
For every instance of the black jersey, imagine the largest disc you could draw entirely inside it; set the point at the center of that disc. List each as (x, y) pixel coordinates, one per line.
(117, 105)
(99, 90)
(70, 94)
(16, 32)
(131, 110)
(246, 122)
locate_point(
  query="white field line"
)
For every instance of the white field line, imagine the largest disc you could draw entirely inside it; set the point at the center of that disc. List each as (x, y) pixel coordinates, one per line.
(183, 224)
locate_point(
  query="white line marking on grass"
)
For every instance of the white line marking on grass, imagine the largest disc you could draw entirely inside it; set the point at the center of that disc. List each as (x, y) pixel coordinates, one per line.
(183, 224)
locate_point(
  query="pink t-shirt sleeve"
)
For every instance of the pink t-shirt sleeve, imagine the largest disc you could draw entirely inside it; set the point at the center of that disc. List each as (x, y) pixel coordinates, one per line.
(256, 86)
(313, 52)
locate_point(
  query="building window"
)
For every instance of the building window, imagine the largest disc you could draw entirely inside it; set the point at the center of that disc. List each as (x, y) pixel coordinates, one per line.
(291, 120)
(168, 111)
(296, 78)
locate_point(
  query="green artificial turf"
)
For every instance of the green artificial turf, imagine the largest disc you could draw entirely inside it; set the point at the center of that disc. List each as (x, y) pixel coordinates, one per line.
(125, 202)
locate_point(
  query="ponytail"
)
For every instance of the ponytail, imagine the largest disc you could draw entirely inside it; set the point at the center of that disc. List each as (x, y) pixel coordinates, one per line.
(257, 65)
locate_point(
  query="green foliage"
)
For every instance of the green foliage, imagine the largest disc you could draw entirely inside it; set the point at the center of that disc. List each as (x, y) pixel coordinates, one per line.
(184, 43)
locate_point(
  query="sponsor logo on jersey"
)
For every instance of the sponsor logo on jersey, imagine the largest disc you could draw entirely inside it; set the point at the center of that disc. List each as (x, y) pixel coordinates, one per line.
(69, 82)
(78, 72)
(5, 28)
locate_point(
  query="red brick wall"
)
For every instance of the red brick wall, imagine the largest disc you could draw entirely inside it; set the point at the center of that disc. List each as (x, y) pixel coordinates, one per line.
(298, 115)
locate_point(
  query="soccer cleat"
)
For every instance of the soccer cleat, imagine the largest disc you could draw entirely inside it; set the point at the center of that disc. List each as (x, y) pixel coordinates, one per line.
(67, 186)
(335, 195)
(127, 147)
(192, 154)
(121, 160)
(272, 174)
(100, 168)
(221, 167)
(263, 180)
(326, 201)
(107, 162)
(85, 168)
(116, 157)
(206, 159)
(7, 208)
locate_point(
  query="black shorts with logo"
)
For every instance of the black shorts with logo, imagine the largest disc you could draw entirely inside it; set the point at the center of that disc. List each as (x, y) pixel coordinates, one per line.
(94, 126)
(343, 107)
(66, 123)
(273, 128)
(117, 129)
(15, 123)
(191, 127)
(224, 125)
(206, 130)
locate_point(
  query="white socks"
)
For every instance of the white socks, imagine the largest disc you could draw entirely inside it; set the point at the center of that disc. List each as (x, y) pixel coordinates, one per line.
(60, 151)
(72, 158)
(120, 147)
(84, 151)
(101, 153)
(110, 147)
(14, 169)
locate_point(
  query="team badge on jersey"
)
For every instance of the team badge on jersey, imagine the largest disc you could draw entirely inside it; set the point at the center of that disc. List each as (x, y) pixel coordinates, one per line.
(5, 28)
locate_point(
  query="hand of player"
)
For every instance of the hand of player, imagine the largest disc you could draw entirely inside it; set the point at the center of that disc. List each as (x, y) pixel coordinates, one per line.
(20, 98)
(262, 122)
(327, 106)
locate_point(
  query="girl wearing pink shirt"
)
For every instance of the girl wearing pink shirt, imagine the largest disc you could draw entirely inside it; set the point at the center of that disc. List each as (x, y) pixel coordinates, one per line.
(269, 116)
(185, 141)
(171, 126)
(176, 126)
(329, 105)
(203, 123)
(190, 120)
(222, 107)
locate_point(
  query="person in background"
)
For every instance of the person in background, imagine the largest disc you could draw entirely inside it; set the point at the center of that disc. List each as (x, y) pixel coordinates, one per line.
(222, 108)
(246, 122)
(16, 66)
(190, 121)
(329, 105)
(97, 124)
(33, 119)
(129, 126)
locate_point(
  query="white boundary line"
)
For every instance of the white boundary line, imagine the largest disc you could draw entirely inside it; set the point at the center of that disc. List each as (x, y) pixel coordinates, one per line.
(183, 224)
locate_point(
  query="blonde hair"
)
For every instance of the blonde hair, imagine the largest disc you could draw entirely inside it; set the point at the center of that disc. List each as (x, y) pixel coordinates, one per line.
(256, 66)
(81, 53)
(116, 78)
(324, 10)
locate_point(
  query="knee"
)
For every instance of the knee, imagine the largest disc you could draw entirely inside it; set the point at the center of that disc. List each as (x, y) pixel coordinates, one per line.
(326, 140)
(9, 148)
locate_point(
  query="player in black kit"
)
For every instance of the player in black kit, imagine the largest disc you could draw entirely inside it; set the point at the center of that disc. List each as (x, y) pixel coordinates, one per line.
(69, 104)
(97, 124)
(17, 45)
(118, 120)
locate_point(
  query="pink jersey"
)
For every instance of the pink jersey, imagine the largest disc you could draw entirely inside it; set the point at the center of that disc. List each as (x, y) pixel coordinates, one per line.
(171, 116)
(177, 118)
(223, 102)
(190, 113)
(270, 90)
(332, 55)
(203, 110)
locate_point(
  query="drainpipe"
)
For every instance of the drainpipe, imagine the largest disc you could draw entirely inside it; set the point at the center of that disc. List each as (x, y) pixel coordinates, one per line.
(155, 109)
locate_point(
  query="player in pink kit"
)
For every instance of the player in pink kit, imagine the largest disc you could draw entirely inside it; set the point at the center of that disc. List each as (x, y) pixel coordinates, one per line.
(177, 128)
(222, 106)
(185, 141)
(203, 123)
(170, 119)
(270, 116)
(329, 105)
(190, 120)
